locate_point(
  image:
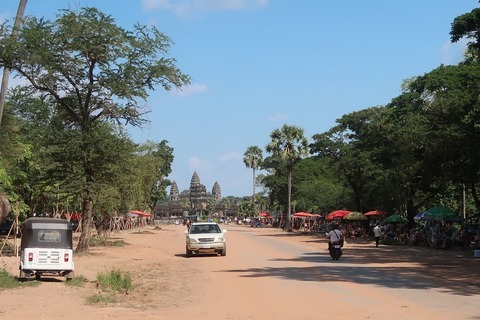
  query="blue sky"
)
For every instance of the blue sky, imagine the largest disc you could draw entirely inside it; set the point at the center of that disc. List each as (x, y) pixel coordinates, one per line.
(259, 64)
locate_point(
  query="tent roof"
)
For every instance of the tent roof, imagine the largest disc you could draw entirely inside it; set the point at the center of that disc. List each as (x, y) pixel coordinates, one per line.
(140, 213)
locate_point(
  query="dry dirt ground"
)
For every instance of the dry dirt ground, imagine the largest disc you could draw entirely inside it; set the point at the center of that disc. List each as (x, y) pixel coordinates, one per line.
(267, 274)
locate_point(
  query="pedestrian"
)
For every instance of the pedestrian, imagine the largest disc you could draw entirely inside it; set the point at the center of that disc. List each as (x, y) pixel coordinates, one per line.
(378, 233)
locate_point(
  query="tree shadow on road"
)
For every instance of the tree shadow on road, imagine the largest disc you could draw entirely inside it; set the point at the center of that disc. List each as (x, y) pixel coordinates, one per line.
(408, 267)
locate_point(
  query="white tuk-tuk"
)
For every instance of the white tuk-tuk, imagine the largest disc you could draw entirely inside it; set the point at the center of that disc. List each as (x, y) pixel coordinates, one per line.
(46, 248)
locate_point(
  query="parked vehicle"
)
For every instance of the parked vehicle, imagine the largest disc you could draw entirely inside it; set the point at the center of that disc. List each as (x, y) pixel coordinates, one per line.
(6, 227)
(205, 237)
(46, 248)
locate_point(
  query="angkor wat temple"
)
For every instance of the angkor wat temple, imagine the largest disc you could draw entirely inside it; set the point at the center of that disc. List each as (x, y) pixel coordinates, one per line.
(194, 201)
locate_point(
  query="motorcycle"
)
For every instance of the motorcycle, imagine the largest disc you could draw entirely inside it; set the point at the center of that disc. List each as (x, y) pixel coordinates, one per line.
(336, 250)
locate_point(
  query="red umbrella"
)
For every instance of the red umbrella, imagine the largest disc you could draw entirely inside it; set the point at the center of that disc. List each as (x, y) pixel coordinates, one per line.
(338, 214)
(374, 213)
(263, 214)
(302, 214)
(140, 213)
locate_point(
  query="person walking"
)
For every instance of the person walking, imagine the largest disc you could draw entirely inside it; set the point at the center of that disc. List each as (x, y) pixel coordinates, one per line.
(377, 231)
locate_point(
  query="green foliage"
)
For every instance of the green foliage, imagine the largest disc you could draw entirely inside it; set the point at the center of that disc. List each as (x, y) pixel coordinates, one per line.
(90, 73)
(467, 26)
(288, 145)
(253, 157)
(7, 281)
(317, 189)
(115, 280)
(110, 282)
(77, 281)
(246, 209)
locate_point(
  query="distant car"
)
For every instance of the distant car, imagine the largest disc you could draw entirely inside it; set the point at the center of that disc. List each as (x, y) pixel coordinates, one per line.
(205, 237)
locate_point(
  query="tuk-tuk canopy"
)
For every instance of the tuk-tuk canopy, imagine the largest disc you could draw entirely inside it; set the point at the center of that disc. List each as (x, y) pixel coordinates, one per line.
(47, 233)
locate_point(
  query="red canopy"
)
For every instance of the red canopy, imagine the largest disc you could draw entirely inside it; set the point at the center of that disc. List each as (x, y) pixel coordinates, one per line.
(140, 213)
(374, 213)
(338, 214)
(303, 214)
(264, 214)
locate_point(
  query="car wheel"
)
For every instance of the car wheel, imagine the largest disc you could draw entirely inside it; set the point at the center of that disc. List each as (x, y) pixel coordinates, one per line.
(223, 253)
(188, 253)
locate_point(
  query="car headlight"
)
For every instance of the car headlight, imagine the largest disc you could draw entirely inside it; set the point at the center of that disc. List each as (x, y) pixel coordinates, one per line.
(221, 239)
(192, 240)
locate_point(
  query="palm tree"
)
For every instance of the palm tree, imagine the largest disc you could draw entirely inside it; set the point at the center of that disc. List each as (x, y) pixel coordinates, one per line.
(6, 71)
(290, 146)
(252, 158)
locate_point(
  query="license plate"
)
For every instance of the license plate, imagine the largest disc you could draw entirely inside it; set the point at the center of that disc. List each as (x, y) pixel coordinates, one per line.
(206, 246)
(336, 246)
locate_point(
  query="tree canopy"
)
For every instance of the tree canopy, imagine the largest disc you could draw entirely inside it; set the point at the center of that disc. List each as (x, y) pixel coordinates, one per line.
(91, 72)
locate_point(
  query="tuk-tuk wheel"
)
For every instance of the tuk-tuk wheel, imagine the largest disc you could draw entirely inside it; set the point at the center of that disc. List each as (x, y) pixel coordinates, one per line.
(69, 276)
(37, 276)
(23, 276)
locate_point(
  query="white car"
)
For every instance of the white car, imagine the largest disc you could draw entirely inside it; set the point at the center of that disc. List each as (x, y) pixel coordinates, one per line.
(205, 237)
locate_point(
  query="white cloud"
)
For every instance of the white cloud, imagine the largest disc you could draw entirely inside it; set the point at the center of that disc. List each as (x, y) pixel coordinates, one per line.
(189, 90)
(454, 53)
(196, 164)
(278, 117)
(231, 155)
(186, 7)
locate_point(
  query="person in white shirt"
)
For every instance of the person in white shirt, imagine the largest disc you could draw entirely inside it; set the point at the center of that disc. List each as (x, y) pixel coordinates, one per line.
(335, 235)
(377, 231)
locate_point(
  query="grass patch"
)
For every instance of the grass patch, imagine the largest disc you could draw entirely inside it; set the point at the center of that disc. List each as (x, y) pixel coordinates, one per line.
(77, 281)
(7, 281)
(143, 232)
(104, 242)
(115, 280)
(110, 283)
(101, 299)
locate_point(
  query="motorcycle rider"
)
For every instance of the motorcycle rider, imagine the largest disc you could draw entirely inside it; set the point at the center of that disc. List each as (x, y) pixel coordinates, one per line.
(335, 236)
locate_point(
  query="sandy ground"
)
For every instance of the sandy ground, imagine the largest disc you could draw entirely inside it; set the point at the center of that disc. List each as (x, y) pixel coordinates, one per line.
(267, 274)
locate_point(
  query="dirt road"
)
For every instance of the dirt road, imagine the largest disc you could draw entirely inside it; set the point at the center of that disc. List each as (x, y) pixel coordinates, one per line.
(267, 274)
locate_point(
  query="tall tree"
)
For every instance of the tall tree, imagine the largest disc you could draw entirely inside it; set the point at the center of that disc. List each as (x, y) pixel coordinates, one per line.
(157, 158)
(290, 145)
(468, 26)
(93, 71)
(6, 70)
(252, 158)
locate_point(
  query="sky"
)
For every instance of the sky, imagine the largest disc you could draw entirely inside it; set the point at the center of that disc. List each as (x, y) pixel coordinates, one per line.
(256, 65)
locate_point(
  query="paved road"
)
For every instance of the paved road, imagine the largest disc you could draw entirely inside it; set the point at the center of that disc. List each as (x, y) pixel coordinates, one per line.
(269, 274)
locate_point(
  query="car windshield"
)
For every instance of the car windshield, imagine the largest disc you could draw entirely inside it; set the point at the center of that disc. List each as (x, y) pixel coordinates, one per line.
(206, 228)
